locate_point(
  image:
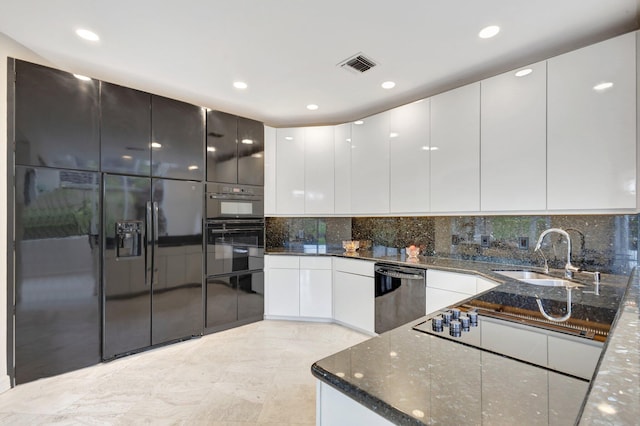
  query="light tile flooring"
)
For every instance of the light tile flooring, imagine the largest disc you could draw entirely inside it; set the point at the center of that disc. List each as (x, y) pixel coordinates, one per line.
(258, 374)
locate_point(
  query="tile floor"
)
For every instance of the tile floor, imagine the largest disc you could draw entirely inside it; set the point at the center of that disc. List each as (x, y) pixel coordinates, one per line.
(258, 374)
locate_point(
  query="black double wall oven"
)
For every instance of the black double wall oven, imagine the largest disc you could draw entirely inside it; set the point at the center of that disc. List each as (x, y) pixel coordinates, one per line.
(235, 256)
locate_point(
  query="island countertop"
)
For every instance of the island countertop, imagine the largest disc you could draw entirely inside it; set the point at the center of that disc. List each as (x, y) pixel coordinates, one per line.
(402, 371)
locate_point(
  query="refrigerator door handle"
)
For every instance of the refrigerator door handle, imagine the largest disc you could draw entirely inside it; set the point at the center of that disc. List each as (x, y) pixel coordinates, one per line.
(155, 222)
(149, 238)
(154, 276)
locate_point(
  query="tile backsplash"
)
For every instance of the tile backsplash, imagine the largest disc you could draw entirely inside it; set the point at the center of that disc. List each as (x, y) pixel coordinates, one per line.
(608, 243)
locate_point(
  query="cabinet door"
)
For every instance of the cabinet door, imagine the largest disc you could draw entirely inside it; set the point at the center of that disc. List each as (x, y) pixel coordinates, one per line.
(290, 171)
(269, 170)
(370, 165)
(439, 299)
(315, 293)
(455, 150)
(283, 292)
(409, 158)
(592, 127)
(353, 300)
(318, 170)
(57, 118)
(177, 149)
(250, 152)
(222, 147)
(342, 168)
(125, 132)
(514, 139)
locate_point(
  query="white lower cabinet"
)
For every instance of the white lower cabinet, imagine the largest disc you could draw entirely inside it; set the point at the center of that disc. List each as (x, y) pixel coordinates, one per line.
(333, 408)
(448, 288)
(298, 287)
(575, 356)
(282, 287)
(353, 294)
(315, 287)
(439, 299)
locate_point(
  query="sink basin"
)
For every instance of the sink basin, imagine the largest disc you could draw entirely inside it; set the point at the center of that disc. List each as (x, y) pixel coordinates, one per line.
(524, 275)
(536, 278)
(551, 282)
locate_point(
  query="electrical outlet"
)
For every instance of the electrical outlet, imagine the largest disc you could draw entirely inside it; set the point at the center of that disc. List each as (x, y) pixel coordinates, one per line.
(484, 241)
(523, 243)
(454, 240)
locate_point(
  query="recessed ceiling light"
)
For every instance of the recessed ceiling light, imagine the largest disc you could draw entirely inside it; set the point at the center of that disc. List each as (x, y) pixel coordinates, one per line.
(211, 149)
(489, 31)
(240, 85)
(156, 145)
(247, 141)
(393, 135)
(430, 148)
(524, 72)
(603, 86)
(312, 107)
(127, 157)
(82, 77)
(289, 138)
(193, 167)
(388, 85)
(257, 155)
(348, 139)
(359, 122)
(87, 35)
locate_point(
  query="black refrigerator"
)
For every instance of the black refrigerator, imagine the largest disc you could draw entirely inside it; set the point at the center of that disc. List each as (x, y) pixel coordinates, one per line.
(152, 262)
(152, 153)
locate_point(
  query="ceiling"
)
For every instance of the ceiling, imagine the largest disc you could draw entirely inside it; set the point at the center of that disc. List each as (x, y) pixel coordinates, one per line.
(287, 51)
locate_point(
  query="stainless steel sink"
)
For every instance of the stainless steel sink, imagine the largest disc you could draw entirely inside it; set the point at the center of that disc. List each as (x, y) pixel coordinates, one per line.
(536, 278)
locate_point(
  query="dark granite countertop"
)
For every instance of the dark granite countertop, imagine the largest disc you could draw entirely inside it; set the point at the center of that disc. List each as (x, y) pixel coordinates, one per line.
(413, 378)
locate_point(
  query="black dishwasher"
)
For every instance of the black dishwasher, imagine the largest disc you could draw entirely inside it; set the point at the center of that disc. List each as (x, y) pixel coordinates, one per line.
(400, 295)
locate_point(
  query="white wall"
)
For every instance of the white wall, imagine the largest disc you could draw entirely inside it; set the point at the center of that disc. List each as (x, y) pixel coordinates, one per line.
(8, 48)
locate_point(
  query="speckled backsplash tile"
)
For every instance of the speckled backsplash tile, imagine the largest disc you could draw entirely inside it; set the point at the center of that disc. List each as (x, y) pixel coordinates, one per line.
(607, 243)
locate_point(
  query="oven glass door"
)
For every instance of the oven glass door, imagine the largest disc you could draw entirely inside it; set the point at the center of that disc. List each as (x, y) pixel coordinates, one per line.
(234, 250)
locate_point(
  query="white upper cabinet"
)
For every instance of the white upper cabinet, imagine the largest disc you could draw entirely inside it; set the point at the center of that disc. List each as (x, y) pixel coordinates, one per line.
(513, 140)
(591, 161)
(455, 150)
(409, 158)
(269, 170)
(370, 165)
(342, 168)
(290, 171)
(318, 170)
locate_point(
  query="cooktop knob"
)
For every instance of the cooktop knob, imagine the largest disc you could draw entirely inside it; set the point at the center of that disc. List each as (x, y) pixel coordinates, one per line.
(455, 313)
(436, 324)
(455, 328)
(464, 320)
(446, 317)
(473, 318)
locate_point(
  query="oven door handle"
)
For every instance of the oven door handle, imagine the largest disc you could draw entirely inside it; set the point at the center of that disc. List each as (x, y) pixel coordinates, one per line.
(234, 230)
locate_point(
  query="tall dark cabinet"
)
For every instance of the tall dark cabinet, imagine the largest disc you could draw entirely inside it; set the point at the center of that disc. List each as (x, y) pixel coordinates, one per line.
(126, 130)
(235, 149)
(56, 221)
(57, 118)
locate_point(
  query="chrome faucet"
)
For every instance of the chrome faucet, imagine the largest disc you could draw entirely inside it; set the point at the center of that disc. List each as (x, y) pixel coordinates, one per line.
(569, 269)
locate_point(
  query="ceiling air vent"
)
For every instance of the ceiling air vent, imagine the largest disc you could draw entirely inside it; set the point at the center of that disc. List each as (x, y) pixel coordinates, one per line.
(358, 63)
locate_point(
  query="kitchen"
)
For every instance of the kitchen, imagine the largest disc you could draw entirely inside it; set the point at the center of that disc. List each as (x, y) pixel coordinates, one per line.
(366, 204)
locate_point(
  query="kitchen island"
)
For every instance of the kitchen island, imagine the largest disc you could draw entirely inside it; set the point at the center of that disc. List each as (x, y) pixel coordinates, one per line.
(408, 377)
